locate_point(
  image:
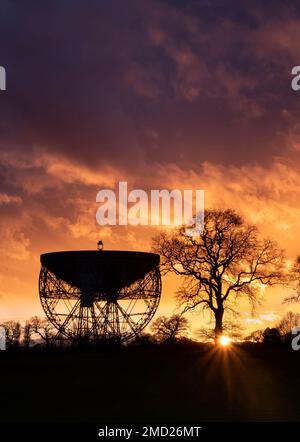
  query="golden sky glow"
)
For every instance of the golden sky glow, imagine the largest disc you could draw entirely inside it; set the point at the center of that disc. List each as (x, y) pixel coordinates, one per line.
(168, 104)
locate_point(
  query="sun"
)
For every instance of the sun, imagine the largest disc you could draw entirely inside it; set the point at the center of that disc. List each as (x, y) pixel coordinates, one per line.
(224, 341)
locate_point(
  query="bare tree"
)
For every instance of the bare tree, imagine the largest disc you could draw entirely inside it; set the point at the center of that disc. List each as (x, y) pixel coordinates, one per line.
(271, 336)
(43, 328)
(295, 279)
(256, 336)
(287, 323)
(13, 333)
(170, 329)
(27, 333)
(226, 261)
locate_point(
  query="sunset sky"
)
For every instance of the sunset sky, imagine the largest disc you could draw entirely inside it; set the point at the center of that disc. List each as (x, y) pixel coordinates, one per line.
(161, 94)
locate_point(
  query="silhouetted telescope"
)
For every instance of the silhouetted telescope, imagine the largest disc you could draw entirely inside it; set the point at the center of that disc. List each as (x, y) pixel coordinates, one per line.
(100, 293)
(103, 272)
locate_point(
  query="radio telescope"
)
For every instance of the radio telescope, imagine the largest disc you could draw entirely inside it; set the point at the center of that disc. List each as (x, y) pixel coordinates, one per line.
(101, 294)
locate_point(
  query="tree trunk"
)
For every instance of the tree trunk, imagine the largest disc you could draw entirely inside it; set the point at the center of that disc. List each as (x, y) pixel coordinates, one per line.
(218, 324)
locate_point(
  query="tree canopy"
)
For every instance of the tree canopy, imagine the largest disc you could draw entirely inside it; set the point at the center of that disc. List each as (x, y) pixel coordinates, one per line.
(227, 261)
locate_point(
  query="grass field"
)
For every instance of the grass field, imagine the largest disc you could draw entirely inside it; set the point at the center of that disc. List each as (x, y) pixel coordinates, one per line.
(184, 383)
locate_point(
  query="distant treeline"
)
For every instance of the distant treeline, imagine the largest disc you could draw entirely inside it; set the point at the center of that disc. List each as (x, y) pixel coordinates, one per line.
(39, 332)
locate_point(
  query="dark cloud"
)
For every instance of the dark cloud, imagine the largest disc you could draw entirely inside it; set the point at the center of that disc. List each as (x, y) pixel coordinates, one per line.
(94, 80)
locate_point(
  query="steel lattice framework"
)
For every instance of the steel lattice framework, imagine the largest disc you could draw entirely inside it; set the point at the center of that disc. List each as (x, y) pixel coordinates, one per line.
(117, 316)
